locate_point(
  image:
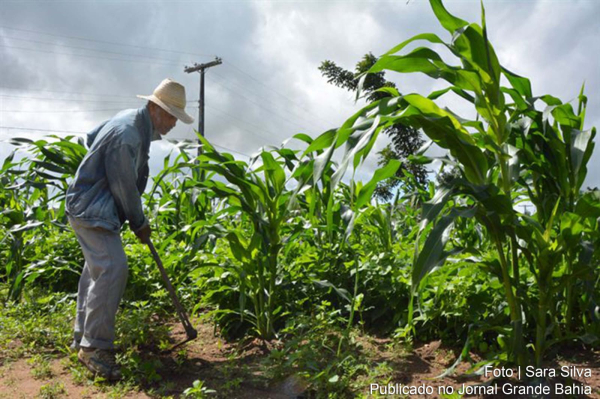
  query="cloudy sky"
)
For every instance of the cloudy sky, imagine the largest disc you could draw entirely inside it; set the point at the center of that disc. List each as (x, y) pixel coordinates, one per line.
(66, 66)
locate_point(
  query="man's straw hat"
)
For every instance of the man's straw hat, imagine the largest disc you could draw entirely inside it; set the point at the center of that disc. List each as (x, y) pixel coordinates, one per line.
(170, 96)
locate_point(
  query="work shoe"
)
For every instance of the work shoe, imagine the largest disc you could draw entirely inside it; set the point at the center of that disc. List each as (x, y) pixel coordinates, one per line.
(74, 347)
(100, 362)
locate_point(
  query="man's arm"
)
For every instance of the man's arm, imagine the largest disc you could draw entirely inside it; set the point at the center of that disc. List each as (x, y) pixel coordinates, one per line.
(121, 174)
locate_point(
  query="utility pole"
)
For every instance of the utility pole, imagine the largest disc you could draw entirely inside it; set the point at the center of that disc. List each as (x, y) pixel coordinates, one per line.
(525, 208)
(201, 68)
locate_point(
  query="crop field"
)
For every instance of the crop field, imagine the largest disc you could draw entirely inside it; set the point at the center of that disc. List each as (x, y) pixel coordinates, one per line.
(302, 283)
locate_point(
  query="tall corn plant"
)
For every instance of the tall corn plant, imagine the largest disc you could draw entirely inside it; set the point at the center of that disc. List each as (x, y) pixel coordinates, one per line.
(257, 192)
(319, 179)
(175, 197)
(509, 153)
(32, 193)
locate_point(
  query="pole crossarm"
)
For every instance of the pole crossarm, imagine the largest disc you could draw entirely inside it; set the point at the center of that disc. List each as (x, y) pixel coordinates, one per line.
(198, 67)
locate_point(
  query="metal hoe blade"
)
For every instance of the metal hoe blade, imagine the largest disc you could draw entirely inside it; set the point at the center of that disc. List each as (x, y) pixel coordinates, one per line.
(190, 331)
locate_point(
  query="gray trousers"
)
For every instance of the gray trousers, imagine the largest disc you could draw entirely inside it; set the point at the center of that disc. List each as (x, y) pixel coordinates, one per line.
(101, 285)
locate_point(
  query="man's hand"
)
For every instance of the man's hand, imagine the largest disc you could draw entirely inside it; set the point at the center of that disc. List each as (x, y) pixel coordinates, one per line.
(143, 233)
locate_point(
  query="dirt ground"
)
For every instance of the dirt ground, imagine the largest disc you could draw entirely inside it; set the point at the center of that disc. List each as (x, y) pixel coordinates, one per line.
(235, 372)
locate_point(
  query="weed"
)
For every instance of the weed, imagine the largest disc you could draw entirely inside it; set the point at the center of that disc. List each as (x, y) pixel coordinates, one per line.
(181, 358)
(312, 354)
(139, 325)
(40, 322)
(119, 390)
(135, 368)
(52, 390)
(78, 374)
(198, 391)
(41, 367)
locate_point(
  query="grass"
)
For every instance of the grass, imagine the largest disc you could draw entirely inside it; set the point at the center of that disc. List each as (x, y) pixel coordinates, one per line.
(304, 357)
(40, 329)
(41, 369)
(52, 390)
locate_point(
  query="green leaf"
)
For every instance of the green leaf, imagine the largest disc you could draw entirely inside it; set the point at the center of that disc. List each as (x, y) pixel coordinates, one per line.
(321, 162)
(448, 21)
(366, 192)
(239, 251)
(520, 84)
(423, 36)
(340, 291)
(422, 60)
(432, 253)
(447, 132)
(303, 137)
(588, 205)
(514, 165)
(357, 147)
(52, 167)
(582, 146)
(323, 141)
(437, 94)
(434, 206)
(25, 227)
(273, 171)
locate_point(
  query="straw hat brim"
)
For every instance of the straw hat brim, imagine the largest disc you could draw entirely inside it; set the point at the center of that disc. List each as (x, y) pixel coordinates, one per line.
(175, 111)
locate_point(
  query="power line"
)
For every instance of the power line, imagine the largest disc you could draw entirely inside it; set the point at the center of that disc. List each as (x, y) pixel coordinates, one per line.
(229, 149)
(245, 122)
(120, 109)
(20, 111)
(62, 110)
(65, 92)
(87, 56)
(158, 49)
(73, 93)
(114, 109)
(69, 99)
(228, 63)
(104, 42)
(88, 49)
(270, 103)
(41, 130)
(261, 106)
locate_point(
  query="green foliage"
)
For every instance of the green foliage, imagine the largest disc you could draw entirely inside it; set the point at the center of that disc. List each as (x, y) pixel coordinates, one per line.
(405, 140)
(32, 193)
(198, 390)
(41, 368)
(39, 323)
(511, 153)
(52, 390)
(311, 354)
(282, 246)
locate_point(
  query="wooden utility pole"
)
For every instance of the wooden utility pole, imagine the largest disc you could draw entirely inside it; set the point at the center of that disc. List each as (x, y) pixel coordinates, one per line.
(201, 68)
(525, 208)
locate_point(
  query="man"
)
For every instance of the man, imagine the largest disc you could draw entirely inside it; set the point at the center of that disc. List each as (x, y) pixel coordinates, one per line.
(107, 192)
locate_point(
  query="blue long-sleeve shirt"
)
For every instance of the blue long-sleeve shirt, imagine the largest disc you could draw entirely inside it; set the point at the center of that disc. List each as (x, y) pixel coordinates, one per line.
(108, 185)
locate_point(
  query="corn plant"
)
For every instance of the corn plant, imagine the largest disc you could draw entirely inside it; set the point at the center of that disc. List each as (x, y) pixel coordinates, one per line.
(256, 192)
(318, 177)
(33, 192)
(512, 152)
(174, 197)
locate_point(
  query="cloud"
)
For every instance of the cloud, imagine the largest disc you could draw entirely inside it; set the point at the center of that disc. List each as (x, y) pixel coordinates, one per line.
(268, 87)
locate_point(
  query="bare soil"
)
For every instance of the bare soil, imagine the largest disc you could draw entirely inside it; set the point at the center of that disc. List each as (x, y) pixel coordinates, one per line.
(234, 371)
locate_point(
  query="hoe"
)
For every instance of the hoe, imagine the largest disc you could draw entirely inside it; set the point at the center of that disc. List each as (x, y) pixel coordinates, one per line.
(190, 331)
